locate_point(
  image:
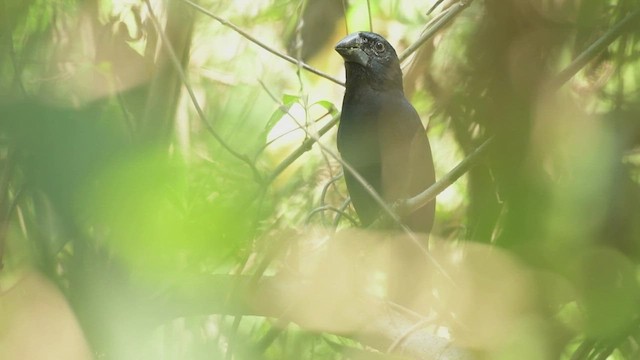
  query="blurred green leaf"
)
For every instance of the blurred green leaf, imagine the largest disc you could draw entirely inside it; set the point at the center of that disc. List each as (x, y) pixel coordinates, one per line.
(162, 216)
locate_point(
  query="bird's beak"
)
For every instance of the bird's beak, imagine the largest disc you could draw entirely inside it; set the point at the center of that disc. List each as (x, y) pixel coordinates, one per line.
(350, 48)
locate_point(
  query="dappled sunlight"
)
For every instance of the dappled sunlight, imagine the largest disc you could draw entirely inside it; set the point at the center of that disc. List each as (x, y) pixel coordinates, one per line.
(173, 183)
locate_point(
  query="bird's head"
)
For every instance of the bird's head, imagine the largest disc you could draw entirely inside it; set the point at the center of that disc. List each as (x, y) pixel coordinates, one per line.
(369, 56)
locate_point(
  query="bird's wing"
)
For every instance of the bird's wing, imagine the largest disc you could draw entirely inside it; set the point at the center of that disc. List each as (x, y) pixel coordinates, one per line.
(358, 146)
(406, 161)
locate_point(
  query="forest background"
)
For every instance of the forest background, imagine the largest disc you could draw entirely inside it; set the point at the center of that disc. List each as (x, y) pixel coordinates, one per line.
(169, 185)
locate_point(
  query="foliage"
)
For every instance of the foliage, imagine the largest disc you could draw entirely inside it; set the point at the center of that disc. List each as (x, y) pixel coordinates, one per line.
(162, 189)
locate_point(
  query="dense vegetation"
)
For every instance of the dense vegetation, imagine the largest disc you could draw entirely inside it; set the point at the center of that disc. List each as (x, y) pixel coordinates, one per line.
(169, 187)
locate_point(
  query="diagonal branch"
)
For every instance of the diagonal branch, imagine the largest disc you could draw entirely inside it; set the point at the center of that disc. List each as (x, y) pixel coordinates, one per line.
(594, 49)
(303, 148)
(261, 44)
(437, 26)
(420, 200)
(438, 2)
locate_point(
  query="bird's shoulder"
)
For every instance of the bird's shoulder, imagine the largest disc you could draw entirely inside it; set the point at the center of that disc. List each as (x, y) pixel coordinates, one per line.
(398, 116)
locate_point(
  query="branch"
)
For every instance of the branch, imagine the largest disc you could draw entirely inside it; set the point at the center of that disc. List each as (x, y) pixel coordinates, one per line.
(303, 148)
(261, 44)
(434, 6)
(437, 26)
(597, 47)
(331, 292)
(338, 211)
(422, 199)
(275, 297)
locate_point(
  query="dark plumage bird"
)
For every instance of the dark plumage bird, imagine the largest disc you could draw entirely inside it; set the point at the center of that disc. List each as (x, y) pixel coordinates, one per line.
(380, 133)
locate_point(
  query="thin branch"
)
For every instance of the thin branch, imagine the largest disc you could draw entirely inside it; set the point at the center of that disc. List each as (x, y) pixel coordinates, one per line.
(437, 26)
(325, 190)
(343, 209)
(420, 200)
(303, 148)
(583, 351)
(596, 48)
(339, 211)
(344, 12)
(284, 134)
(412, 330)
(194, 100)
(272, 334)
(261, 44)
(369, 14)
(434, 6)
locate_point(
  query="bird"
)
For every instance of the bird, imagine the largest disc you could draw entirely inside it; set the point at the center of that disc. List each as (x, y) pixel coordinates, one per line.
(380, 134)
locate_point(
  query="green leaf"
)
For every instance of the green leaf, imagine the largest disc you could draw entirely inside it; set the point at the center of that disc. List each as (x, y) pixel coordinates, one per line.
(279, 112)
(332, 109)
(289, 100)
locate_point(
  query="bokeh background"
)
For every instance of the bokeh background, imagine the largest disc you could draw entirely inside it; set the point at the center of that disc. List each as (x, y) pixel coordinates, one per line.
(163, 195)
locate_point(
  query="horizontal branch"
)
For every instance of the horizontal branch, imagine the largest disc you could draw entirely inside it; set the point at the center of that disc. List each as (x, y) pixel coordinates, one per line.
(275, 297)
(331, 292)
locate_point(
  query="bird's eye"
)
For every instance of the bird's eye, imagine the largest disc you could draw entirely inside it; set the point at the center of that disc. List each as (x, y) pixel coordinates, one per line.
(379, 47)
